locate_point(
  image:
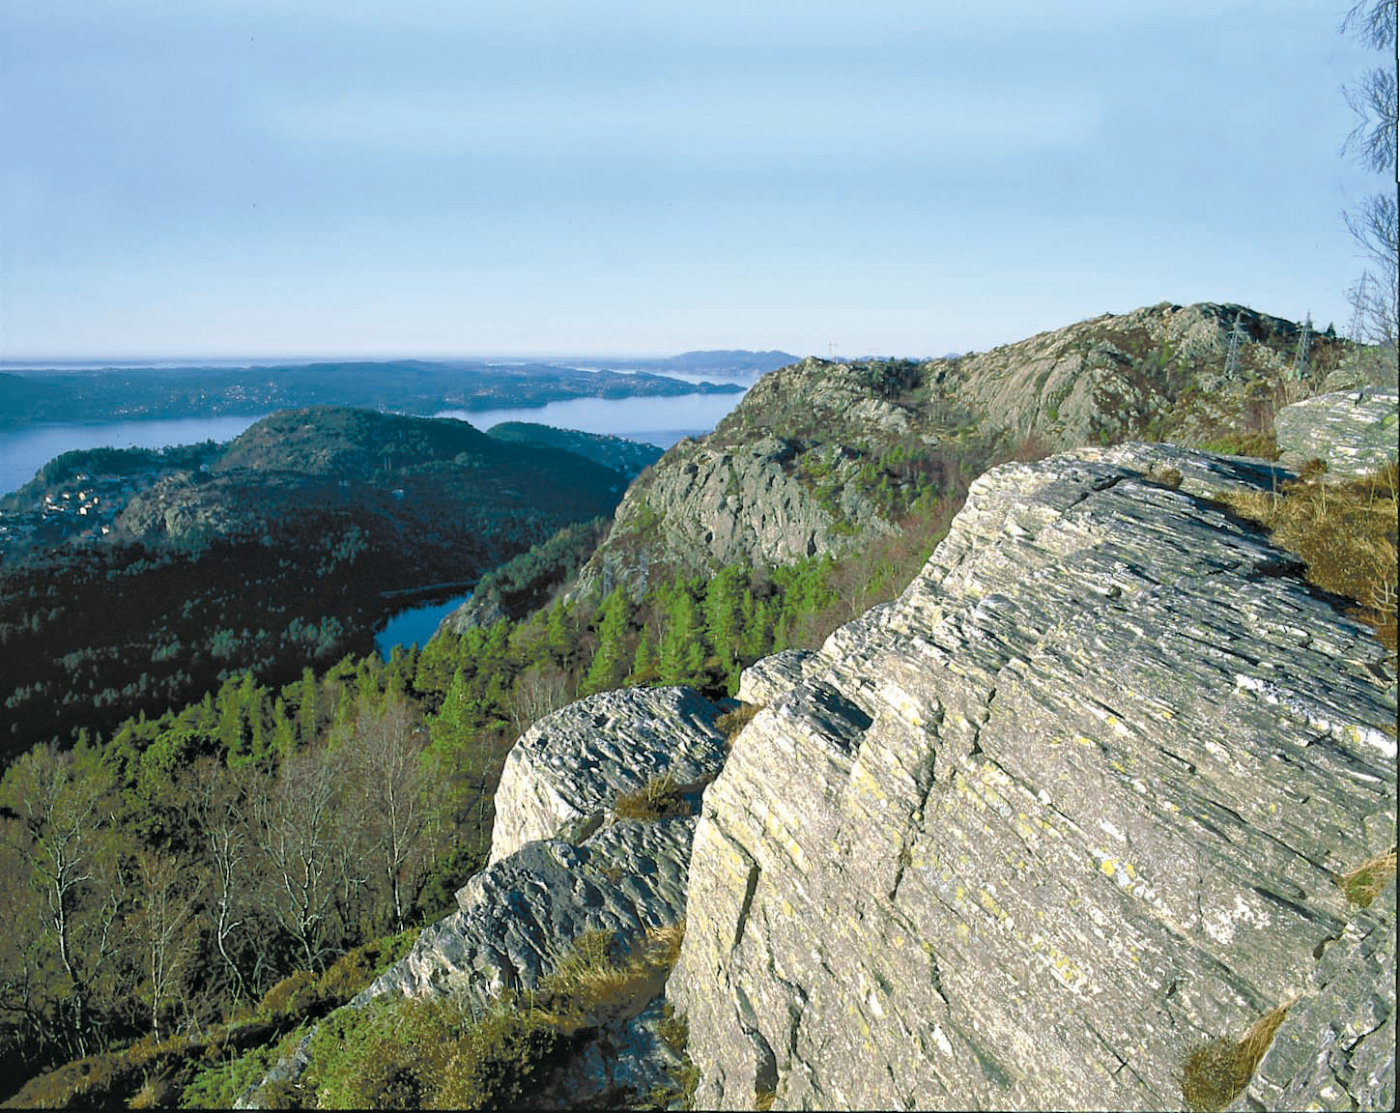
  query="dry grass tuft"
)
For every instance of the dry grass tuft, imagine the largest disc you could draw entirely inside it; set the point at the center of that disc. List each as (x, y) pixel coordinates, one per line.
(1364, 884)
(1215, 1073)
(1344, 532)
(659, 798)
(590, 981)
(733, 722)
(1167, 477)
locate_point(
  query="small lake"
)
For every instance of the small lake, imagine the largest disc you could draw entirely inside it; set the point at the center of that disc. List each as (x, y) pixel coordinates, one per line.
(415, 625)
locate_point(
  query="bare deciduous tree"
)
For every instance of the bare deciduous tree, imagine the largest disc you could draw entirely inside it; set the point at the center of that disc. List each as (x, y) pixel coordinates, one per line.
(58, 839)
(383, 759)
(1375, 223)
(296, 824)
(163, 923)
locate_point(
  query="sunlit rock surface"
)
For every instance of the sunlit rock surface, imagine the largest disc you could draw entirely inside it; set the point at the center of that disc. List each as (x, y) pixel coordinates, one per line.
(564, 775)
(1070, 806)
(1353, 431)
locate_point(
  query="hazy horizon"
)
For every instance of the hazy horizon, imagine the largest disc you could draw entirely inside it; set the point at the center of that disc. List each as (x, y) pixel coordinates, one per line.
(234, 362)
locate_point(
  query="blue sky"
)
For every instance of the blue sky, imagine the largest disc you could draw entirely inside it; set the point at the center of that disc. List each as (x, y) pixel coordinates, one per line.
(255, 179)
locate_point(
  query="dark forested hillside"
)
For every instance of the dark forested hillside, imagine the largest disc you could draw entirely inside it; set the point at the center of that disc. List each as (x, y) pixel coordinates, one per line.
(271, 554)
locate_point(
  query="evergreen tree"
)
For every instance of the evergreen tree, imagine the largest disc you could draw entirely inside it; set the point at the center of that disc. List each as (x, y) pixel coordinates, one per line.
(643, 660)
(682, 654)
(605, 671)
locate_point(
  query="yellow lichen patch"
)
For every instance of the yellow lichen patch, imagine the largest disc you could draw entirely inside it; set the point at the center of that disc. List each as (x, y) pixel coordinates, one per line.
(989, 902)
(864, 782)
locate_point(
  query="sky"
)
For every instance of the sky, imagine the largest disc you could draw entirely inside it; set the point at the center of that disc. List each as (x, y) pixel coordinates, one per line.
(883, 177)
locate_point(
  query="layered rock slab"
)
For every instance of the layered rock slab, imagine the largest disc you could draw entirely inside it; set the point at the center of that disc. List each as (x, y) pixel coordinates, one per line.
(516, 918)
(1069, 807)
(564, 775)
(1354, 431)
(1336, 1046)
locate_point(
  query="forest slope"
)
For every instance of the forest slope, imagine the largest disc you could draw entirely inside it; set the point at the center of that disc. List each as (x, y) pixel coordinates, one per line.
(272, 553)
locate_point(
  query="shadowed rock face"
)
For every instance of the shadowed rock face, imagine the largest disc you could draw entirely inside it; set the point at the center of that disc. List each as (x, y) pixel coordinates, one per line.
(1069, 807)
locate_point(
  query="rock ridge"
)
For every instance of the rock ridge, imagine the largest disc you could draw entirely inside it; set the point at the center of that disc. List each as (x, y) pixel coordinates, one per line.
(822, 457)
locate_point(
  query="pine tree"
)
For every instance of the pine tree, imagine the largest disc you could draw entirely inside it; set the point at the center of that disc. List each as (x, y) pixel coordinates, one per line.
(605, 671)
(643, 661)
(682, 656)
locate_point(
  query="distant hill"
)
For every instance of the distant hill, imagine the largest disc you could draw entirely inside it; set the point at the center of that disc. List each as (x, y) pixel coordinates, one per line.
(618, 453)
(727, 361)
(735, 363)
(24, 399)
(423, 387)
(283, 549)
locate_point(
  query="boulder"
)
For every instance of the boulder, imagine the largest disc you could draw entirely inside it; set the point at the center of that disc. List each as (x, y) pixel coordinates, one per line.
(566, 772)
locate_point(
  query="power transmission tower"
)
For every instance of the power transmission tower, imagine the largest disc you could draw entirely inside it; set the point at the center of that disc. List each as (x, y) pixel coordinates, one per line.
(1300, 364)
(831, 349)
(1232, 354)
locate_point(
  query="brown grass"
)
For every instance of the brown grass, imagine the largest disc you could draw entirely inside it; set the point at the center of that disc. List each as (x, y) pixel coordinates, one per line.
(732, 722)
(1215, 1073)
(589, 982)
(659, 798)
(1344, 532)
(1365, 883)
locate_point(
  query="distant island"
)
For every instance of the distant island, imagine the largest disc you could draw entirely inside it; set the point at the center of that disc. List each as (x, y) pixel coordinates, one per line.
(418, 387)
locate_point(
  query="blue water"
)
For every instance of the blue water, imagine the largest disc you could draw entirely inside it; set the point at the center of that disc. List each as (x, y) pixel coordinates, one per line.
(25, 450)
(415, 625)
(658, 421)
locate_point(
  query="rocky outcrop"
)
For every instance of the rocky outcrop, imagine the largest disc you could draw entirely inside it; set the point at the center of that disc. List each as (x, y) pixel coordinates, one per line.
(824, 457)
(564, 865)
(563, 777)
(518, 917)
(1070, 806)
(1354, 432)
(561, 862)
(1336, 1047)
